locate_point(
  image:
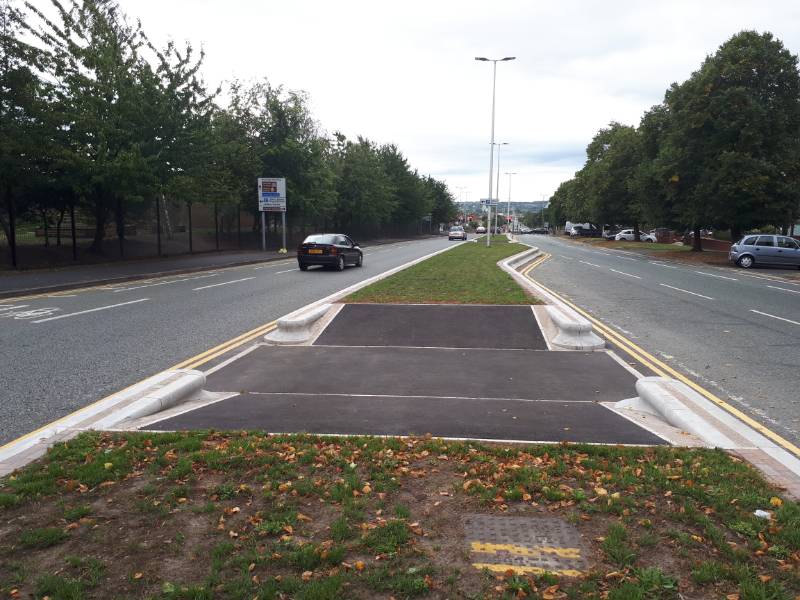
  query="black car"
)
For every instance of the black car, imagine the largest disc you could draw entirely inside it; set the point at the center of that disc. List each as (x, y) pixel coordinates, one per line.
(329, 250)
(540, 230)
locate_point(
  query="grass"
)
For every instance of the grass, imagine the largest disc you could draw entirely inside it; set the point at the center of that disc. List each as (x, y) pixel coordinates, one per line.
(467, 274)
(300, 516)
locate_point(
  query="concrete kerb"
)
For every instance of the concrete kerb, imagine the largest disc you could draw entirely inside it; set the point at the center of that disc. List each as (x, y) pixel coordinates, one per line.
(574, 332)
(146, 397)
(297, 329)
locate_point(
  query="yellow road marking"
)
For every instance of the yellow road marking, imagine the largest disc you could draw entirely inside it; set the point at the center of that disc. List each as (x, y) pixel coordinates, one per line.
(521, 569)
(665, 370)
(488, 548)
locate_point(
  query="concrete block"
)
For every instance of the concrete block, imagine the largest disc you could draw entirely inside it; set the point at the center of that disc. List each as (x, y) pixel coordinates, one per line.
(662, 396)
(574, 331)
(296, 329)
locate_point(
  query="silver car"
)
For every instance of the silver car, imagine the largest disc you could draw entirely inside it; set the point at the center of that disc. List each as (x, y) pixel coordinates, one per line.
(757, 249)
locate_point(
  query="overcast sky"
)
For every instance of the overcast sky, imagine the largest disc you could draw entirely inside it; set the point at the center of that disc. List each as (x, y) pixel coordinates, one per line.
(404, 72)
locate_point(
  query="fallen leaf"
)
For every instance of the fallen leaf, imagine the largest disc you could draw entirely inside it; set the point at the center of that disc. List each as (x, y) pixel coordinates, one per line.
(307, 575)
(138, 575)
(775, 501)
(108, 466)
(360, 565)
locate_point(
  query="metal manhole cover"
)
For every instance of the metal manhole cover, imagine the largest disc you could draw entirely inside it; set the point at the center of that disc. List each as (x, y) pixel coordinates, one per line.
(525, 545)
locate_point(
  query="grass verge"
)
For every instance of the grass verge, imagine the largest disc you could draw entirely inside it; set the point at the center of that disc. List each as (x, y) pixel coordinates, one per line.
(465, 275)
(247, 515)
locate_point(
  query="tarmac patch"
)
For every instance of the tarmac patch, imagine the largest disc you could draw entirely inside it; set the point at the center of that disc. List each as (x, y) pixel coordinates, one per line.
(435, 326)
(525, 545)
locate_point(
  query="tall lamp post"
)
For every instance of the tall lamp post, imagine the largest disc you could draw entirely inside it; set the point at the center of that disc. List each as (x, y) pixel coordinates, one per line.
(494, 62)
(497, 190)
(509, 195)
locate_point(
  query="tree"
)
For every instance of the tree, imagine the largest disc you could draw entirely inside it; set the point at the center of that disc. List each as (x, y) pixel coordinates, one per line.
(733, 141)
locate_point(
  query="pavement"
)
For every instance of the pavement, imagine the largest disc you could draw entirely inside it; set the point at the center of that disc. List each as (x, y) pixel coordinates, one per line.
(454, 371)
(735, 332)
(64, 350)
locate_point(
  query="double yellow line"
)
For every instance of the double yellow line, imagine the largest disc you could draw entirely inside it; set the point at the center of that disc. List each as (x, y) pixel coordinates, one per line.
(216, 351)
(662, 369)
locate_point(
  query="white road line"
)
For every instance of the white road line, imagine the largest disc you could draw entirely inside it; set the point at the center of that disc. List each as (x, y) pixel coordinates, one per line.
(652, 262)
(566, 257)
(138, 287)
(626, 258)
(775, 287)
(289, 271)
(275, 264)
(12, 306)
(717, 276)
(774, 317)
(205, 287)
(685, 291)
(91, 310)
(626, 274)
(590, 264)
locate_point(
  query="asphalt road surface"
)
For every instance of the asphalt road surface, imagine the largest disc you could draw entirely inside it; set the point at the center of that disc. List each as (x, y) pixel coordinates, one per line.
(735, 332)
(62, 351)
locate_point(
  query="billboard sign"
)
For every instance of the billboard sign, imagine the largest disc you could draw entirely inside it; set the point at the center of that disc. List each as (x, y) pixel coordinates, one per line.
(272, 194)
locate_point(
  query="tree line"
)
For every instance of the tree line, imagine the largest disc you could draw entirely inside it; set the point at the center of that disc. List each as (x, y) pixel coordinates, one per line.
(95, 118)
(721, 150)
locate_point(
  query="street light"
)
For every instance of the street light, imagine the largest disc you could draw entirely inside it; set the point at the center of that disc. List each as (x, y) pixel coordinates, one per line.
(509, 194)
(491, 148)
(497, 192)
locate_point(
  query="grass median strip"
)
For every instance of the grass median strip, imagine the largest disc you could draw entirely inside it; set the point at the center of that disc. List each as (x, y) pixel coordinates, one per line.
(248, 515)
(465, 275)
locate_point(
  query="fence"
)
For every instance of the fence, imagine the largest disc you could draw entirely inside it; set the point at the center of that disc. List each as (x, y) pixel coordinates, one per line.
(163, 229)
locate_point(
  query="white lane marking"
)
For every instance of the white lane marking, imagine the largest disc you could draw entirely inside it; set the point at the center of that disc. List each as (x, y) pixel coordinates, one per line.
(289, 271)
(276, 264)
(91, 310)
(775, 287)
(205, 287)
(717, 276)
(775, 317)
(652, 262)
(685, 291)
(146, 285)
(626, 274)
(626, 258)
(21, 315)
(591, 264)
(12, 306)
(566, 257)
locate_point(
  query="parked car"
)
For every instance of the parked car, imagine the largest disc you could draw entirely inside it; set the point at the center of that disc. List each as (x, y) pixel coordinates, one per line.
(540, 230)
(610, 232)
(457, 233)
(776, 250)
(584, 231)
(329, 250)
(480, 229)
(626, 235)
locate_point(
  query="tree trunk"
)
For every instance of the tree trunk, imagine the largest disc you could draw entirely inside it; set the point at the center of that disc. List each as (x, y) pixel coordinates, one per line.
(11, 227)
(58, 225)
(697, 244)
(637, 235)
(216, 224)
(189, 210)
(120, 217)
(736, 233)
(74, 233)
(100, 216)
(158, 226)
(46, 229)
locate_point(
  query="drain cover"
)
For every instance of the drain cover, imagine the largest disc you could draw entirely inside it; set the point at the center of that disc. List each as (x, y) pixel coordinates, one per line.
(525, 545)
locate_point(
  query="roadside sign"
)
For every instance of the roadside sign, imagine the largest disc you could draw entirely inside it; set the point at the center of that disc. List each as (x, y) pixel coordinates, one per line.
(272, 194)
(489, 202)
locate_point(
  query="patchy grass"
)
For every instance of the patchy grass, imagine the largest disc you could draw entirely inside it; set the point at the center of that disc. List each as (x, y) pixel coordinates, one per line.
(467, 274)
(246, 515)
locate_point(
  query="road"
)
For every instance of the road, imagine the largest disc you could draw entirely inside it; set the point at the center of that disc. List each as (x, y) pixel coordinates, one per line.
(735, 332)
(63, 351)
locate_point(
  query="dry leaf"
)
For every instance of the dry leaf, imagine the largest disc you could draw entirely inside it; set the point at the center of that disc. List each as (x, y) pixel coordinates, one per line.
(138, 575)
